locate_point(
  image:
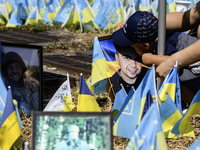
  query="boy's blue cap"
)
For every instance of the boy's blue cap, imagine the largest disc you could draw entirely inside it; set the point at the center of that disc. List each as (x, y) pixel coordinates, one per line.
(141, 27)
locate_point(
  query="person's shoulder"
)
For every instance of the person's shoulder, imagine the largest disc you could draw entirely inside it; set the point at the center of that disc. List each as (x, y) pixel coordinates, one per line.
(61, 145)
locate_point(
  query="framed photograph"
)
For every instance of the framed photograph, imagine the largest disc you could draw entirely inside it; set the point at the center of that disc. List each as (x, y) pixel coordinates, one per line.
(21, 67)
(72, 130)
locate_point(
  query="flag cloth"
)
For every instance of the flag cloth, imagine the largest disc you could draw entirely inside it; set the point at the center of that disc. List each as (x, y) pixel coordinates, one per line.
(3, 92)
(32, 17)
(5, 9)
(86, 15)
(131, 112)
(41, 7)
(169, 115)
(12, 21)
(120, 98)
(111, 14)
(109, 52)
(9, 126)
(150, 129)
(171, 86)
(63, 15)
(100, 69)
(61, 100)
(195, 145)
(97, 6)
(17, 112)
(22, 11)
(171, 6)
(86, 101)
(183, 126)
(144, 5)
(130, 9)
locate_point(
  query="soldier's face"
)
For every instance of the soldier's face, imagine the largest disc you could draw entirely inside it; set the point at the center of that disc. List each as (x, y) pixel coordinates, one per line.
(14, 71)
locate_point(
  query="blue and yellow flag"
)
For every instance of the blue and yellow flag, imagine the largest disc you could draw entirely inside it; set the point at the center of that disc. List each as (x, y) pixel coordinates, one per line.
(111, 14)
(63, 15)
(171, 86)
(5, 9)
(171, 6)
(120, 98)
(131, 112)
(169, 115)
(183, 126)
(130, 9)
(100, 69)
(12, 21)
(86, 15)
(144, 5)
(22, 11)
(97, 6)
(149, 132)
(109, 51)
(9, 126)
(32, 17)
(41, 7)
(86, 101)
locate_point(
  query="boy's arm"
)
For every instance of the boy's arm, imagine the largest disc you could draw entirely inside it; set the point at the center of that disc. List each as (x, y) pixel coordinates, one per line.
(185, 57)
(150, 59)
(183, 21)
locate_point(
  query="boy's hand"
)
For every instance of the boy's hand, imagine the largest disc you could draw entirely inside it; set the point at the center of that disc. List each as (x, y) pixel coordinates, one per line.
(120, 25)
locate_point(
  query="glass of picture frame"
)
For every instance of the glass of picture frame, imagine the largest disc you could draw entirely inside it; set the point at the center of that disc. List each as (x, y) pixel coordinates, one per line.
(51, 130)
(26, 85)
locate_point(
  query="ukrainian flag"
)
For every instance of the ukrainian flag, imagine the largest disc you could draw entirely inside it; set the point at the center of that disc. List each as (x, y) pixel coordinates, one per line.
(111, 14)
(5, 9)
(169, 115)
(9, 126)
(183, 126)
(97, 6)
(86, 101)
(41, 8)
(100, 69)
(171, 6)
(144, 5)
(12, 21)
(171, 85)
(149, 133)
(109, 54)
(32, 17)
(63, 15)
(130, 9)
(86, 14)
(22, 11)
(131, 112)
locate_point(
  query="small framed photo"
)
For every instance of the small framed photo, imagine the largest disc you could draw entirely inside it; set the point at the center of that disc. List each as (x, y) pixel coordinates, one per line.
(72, 130)
(21, 68)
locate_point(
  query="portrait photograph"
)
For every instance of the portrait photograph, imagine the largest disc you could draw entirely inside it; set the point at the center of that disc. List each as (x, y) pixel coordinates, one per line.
(71, 131)
(21, 68)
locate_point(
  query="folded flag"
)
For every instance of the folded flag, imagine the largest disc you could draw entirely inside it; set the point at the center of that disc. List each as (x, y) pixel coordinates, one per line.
(86, 101)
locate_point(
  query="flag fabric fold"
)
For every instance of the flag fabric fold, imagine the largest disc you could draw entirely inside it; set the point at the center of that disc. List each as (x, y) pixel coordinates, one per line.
(9, 126)
(86, 101)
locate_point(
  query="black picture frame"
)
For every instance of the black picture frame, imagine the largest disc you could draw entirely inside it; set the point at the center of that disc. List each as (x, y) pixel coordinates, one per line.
(32, 57)
(49, 128)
